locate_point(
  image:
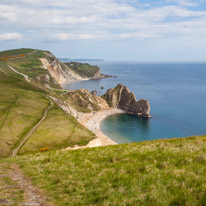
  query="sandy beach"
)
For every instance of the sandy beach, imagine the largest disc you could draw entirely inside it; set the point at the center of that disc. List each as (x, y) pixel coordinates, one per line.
(93, 121)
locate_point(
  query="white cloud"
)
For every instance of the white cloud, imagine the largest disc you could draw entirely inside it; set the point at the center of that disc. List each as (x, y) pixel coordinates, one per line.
(71, 36)
(10, 36)
(99, 19)
(188, 3)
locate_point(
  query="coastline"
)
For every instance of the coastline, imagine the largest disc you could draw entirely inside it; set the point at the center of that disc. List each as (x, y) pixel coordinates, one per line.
(63, 85)
(92, 121)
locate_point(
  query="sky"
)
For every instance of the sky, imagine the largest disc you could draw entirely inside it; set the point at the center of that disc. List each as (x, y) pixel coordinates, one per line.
(127, 30)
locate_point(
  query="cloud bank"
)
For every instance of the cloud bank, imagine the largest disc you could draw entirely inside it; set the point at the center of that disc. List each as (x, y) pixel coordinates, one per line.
(103, 20)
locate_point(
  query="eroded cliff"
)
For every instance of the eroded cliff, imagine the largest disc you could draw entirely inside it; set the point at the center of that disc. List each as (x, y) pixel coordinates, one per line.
(120, 97)
(64, 73)
(60, 72)
(84, 101)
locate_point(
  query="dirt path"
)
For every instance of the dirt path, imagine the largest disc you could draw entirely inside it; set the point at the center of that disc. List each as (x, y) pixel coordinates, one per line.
(15, 151)
(3, 71)
(24, 75)
(31, 53)
(32, 195)
(16, 189)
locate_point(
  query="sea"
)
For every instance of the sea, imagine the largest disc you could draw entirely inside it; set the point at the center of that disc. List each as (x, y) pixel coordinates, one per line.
(176, 93)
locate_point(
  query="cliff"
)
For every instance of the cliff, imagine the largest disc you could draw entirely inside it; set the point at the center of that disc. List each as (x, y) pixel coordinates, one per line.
(44, 69)
(64, 73)
(60, 72)
(120, 97)
(84, 101)
(85, 70)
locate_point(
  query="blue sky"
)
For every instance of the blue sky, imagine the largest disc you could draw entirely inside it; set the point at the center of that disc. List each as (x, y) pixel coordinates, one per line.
(137, 30)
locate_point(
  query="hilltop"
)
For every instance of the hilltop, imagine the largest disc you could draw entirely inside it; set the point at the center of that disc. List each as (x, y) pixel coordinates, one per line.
(43, 68)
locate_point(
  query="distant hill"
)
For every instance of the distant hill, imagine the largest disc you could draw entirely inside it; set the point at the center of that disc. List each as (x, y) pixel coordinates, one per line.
(43, 68)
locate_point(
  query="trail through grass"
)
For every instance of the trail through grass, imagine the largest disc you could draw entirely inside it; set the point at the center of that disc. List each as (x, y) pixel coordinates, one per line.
(160, 173)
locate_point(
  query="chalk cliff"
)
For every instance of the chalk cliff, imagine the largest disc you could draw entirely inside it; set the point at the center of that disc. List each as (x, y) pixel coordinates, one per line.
(64, 73)
(85, 70)
(58, 70)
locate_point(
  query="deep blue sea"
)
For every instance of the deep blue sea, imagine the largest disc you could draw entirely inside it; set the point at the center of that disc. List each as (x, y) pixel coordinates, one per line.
(176, 92)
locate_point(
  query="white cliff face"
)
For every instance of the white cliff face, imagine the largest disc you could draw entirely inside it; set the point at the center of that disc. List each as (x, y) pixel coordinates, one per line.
(60, 72)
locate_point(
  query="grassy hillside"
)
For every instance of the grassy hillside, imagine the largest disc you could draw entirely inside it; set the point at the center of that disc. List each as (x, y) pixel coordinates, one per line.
(83, 69)
(65, 132)
(15, 52)
(20, 110)
(29, 65)
(10, 192)
(22, 105)
(161, 172)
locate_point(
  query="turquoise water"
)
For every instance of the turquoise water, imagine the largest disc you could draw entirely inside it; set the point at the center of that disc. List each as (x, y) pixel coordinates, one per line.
(176, 92)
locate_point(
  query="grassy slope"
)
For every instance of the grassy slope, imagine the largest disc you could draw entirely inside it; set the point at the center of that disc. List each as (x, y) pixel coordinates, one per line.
(66, 131)
(83, 70)
(30, 65)
(16, 52)
(22, 105)
(160, 172)
(20, 110)
(10, 192)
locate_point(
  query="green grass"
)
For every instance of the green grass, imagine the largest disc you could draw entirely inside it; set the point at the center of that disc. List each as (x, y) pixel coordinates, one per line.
(29, 65)
(66, 131)
(10, 191)
(22, 105)
(20, 110)
(84, 70)
(160, 173)
(15, 52)
(13, 79)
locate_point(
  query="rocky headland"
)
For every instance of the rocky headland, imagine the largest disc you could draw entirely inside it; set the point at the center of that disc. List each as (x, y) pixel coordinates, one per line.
(65, 73)
(120, 97)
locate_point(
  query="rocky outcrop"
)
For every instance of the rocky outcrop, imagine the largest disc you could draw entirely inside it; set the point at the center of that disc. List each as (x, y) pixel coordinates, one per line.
(84, 101)
(120, 97)
(65, 106)
(46, 80)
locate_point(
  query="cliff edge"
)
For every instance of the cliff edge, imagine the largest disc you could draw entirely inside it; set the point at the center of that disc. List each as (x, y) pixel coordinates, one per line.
(64, 73)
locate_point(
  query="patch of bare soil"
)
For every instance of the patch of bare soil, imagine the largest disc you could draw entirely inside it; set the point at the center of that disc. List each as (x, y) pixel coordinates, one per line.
(16, 189)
